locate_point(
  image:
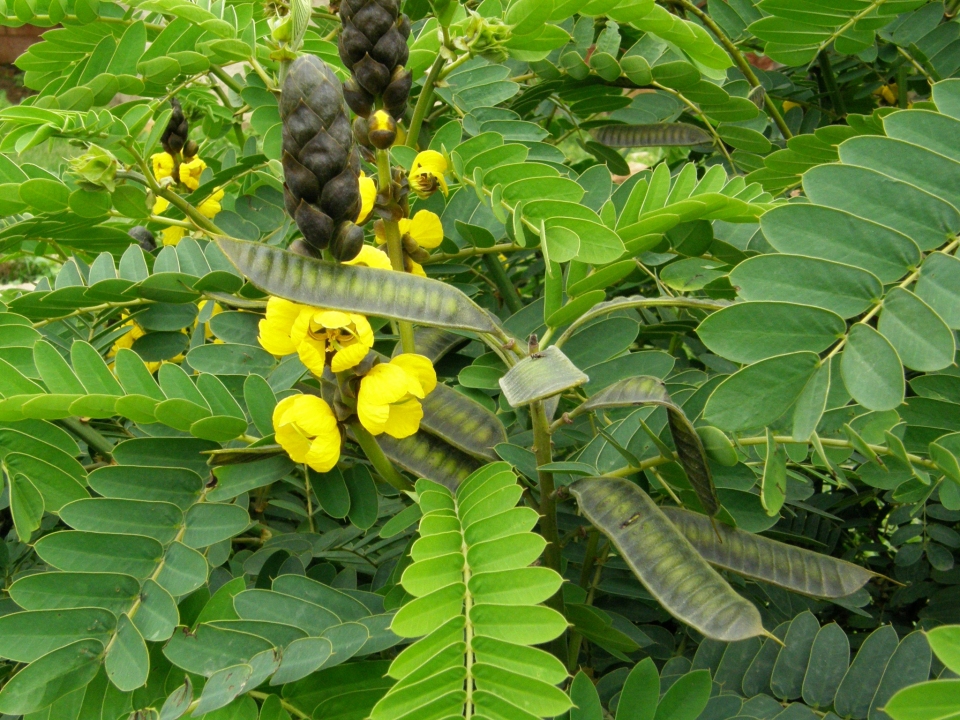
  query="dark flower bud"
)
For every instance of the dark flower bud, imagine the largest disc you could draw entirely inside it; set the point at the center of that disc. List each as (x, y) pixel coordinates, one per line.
(382, 130)
(300, 181)
(144, 238)
(316, 226)
(388, 48)
(299, 247)
(340, 198)
(360, 131)
(359, 100)
(175, 134)
(353, 44)
(372, 76)
(403, 25)
(324, 157)
(347, 242)
(397, 92)
(190, 149)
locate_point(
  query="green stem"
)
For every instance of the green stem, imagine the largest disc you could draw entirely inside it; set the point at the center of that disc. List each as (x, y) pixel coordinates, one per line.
(424, 102)
(391, 230)
(499, 276)
(741, 63)
(90, 436)
(902, 73)
(826, 69)
(283, 703)
(380, 462)
(472, 252)
(543, 449)
(223, 77)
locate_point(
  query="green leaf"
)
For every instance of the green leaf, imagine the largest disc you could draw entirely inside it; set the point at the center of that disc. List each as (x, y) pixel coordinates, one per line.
(51, 677)
(127, 661)
(909, 664)
(641, 692)
(829, 660)
(791, 664)
(945, 643)
(27, 636)
(921, 338)
(927, 701)
(585, 699)
(937, 286)
(862, 679)
(159, 520)
(759, 394)
(211, 649)
(51, 590)
(686, 698)
(73, 550)
(664, 561)
(26, 506)
(398, 296)
(871, 369)
(773, 487)
(752, 331)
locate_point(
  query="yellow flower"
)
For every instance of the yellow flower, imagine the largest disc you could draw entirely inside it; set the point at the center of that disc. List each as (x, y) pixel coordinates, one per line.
(127, 340)
(371, 257)
(312, 333)
(190, 172)
(424, 227)
(390, 394)
(306, 429)
(211, 206)
(426, 173)
(789, 105)
(163, 164)
(173, 234)
(368, 196)
(160, 205)
(417, 269)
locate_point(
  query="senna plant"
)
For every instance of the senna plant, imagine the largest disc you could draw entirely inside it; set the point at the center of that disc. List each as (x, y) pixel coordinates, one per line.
(512, 359)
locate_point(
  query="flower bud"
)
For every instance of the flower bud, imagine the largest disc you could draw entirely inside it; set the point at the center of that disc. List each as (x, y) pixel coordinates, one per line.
(144, 238)
(382, 130)
(347, 243)
(96, 168)
(359, 100)
(190, 149)
(175, 134)
(361, 130)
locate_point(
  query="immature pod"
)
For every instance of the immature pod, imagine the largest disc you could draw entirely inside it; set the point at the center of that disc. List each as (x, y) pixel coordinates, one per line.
(373, 46)
(175, 135)
(320, 163)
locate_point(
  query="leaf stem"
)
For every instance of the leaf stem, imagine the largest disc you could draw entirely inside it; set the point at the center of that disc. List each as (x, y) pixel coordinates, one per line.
(381, 462)
(826, 70)
(283, 703)
(741, 63)
(473, 252)
(499, 276)
(225, 78)
(90, 436)
(391, 230)
(424, 102)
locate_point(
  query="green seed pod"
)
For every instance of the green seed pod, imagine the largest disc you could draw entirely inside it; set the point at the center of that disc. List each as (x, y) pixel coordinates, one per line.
(320, 163)
(373, 45)
(175, 134)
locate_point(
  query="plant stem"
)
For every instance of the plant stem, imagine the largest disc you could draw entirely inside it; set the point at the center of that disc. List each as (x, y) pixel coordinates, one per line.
(472, 252)
(424, 102)
(223, 77)
(826, 70)
(394, 244)
(741, 63)
(380, 462)
(499, 276)
(283, 703)
(543, 449)
(90, 436)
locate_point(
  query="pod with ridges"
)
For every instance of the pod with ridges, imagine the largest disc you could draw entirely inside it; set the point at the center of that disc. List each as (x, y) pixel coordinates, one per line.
(644, 390)
(539, 376)
(665, 562)
(398, 296)
(429, 457)
(655, 135)
(761, 558)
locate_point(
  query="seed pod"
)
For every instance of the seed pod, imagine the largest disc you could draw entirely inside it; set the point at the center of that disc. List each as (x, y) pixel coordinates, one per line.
(175, 134)
(144, 237)
(320, 163)
(373, 46)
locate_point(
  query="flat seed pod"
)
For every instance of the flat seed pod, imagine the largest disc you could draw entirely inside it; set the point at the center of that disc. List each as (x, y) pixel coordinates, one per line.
(664, 560)
(428, 456)
(794, 568)
(644, 390)
(462, 422)
(398, 296)
(539, 376)
(433, 343)
(656, 135)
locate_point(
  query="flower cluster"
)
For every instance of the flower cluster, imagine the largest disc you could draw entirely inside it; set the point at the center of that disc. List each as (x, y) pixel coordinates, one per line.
(189, 172)
(385, 396)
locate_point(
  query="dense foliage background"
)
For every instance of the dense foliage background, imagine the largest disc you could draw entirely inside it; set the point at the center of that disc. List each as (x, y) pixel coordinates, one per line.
(674, 288)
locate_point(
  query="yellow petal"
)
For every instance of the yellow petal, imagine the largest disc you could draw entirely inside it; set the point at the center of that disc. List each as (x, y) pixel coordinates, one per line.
(430, 161)
(372, 258)
(363, 331)
(313, 416)
(368, 196)
(331, 319)
(404, 419)
(419, 367)
(173, 234)
(383, 385)
(160, 205)
(275, 327)
(301, 326)
(292, 440)
(281, 410)
(191, 171)
(324, 451)
(162, 165)
(275, 341)
(426, 229)
(417, 269)
(209, 208)
(313, 354)
(349, 357)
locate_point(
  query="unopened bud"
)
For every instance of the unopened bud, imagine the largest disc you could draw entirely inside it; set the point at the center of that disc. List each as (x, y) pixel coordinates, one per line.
(382, 130)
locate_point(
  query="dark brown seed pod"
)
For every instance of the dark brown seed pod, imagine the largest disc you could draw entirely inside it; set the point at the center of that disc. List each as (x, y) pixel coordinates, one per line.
(320, 163)
(175, 134)
(144, 237)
